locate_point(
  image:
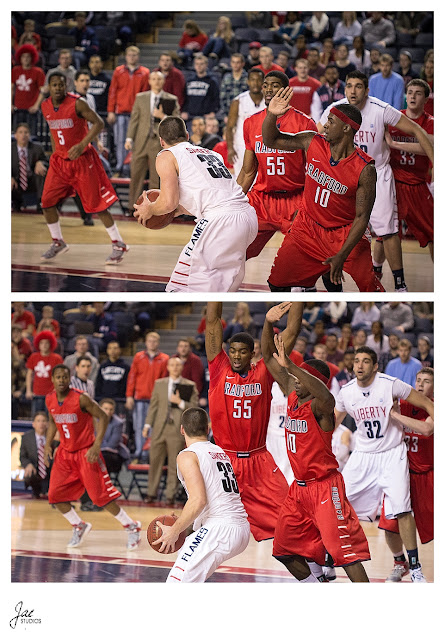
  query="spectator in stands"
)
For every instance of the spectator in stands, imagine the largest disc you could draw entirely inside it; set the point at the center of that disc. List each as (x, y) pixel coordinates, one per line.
(233, 83)
(315, 69)
(174, 78)
(374, 62)
(327, 54)
(318, 27)
(266, 61)
(393, 352)
(24, 319)
(320, 352)
(32, 445)
(360, 337)
(48, 318)
(364, 315)
(40, 365)
(345, 339)
(377, 340)
(192, 41)
(409, 22)
(241, 321)
(335, 313)
(311, 313)
(29, 166)
(379, 31)
(170, 399)
(201, 92)
(303, 87)
(27, 80)
(199, 135)
(64, 67)
(332, 90)
(212, 127)
(257, 353)
(387, 85)
(301, 50)
(193, 368)
(425, 352)
(81, 377)
(427, 74)
(81, 349)
(397, 317)
(282, 60)
(221, 43)
(301, 347)
(85, 41)
(146, 368)
(347, 29)
(24, 346)
(291, 28)
(405, 69)
(99, 87)
(111, 381)
(358, 55)
(404, 367)
(128, 79)
(18, 380)
(342, 62)
(334, 354)
(278, 18)
(259, 19)
(253, 57)
(346, 374)
(318, 334)
(105, 328)
(142, 134)
(113, 449)
(29, 35)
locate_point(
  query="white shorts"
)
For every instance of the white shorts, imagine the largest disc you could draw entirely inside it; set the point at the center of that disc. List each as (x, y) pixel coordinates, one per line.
(276, 445)
(204, 550)
(215, 257)
(370, 475)
(384, 216)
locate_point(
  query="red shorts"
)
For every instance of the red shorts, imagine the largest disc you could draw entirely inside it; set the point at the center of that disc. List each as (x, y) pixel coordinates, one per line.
(71, 475)
(319, 517)
(416, 206)
(422, 502)
(275, 212)
(263, 489)
(299, 261)
(85, 175)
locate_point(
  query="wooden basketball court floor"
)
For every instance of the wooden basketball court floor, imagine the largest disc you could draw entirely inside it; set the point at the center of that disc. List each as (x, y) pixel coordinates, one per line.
(39, 535)
(151, 259)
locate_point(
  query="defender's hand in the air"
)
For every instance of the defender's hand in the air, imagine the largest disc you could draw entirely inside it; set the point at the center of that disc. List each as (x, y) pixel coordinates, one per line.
(280, 102)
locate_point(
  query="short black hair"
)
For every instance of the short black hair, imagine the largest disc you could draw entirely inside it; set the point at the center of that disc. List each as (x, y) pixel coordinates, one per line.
(349, 350)
(369, 352)
(80, 358)
(418, 82)
(352, 112)
(244, 338)
(359, 76)
(82, 72)
(280, 75)
(60, 366)
(195, 422)
(320, 366)
(172, 129)
(253, 70)
(59, 74)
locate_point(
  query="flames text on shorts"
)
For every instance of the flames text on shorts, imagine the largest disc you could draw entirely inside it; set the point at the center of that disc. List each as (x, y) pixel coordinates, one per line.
(66, 418)
(197, 231)
(297, 426)
(242, 390)
(199, 537)
(337, 503)
(326, 181)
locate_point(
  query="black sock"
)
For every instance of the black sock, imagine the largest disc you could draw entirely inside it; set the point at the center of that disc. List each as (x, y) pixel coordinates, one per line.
(413, 558)
(400, 558)
(399, 278)
(328, 560)
(378, 269)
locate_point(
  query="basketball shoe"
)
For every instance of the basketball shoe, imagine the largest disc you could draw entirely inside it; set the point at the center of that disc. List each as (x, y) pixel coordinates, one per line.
(79, 533)
(117, 254)
(134, 535)
(417, 575)
(400, 569)
(57, 248)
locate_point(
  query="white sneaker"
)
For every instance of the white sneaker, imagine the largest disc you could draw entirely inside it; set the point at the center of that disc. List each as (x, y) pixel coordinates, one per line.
(117, 253)
(400, 569)
(417, 575)
(56, 249)
(303, 290)
(330, 573)
(79, 533)
(134, 535)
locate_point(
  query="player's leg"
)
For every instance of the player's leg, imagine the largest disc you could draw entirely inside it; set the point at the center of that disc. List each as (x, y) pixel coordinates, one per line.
(56, 188)
(153, 148)
(395, 545)
(422, 501)
(133, 527)
(356, 572)
(378, 257)
(359, 265)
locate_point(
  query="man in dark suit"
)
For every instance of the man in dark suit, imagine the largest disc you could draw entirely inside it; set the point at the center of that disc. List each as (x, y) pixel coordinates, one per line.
(36, 473)
(28, 166)
(168, 401)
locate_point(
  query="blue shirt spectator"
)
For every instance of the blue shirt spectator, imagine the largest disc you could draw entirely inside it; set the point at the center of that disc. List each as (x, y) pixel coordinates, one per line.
(201, 91)
(86, 43)
(405, 367)
(387, 85)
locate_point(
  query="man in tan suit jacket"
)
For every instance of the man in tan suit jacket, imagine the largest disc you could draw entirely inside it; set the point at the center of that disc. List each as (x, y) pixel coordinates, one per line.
(164, 418)
(142, 134)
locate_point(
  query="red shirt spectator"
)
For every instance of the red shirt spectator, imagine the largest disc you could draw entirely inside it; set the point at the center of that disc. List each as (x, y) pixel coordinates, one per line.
(125, 84)
(25, 319)
(273, 67)
(221, 147)
(26, 77)
(40, 365)
(144, 371)
(303, 87)
(174, 78)
(193, 367)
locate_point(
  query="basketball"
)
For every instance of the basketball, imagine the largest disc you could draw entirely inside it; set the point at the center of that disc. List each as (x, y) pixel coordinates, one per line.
(154, 532)
(156, 222)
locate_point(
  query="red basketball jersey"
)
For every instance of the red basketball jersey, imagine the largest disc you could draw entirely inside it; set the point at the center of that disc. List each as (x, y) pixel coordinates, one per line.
(67, 128)
(74, 425)
(309, 448)
(330, 187)
(277, 170)
(411, 168)
(239, 406)
(420, 447)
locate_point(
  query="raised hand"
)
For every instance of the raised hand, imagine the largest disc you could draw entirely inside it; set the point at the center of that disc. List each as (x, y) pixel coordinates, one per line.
(280, 102)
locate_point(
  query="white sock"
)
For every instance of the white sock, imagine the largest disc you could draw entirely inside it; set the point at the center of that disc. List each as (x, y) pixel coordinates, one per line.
(55, 230)
(72, 517)
(114, 234)
(310, 578)
(124, 518)
(316, 569)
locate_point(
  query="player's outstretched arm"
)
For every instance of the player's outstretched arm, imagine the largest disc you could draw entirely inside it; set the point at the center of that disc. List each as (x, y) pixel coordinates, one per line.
(293, 326)
(197, 499)
(90, 406)
(422, 401)
(84, 111)
(214, 330)
(407, 147)
(424, 427)
(232, 119)
(410, 127)
(275, 366)
(272, 136)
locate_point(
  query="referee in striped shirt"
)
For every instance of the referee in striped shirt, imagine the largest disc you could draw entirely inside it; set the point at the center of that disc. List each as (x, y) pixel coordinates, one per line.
(80, 380)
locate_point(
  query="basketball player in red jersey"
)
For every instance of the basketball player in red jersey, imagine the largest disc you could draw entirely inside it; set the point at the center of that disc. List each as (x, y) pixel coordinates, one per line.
(239, 406)
(78, 464)
(339, 192)
(316, 516)
(75, 167)
(419, 428)
(278, 189)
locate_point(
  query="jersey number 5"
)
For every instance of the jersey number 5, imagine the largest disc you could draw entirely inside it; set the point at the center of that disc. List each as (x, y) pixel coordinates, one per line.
(61, 138)
(229, 482)
(66, 431)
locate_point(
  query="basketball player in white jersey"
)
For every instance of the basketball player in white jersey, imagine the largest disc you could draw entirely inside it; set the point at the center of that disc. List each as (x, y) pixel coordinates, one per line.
(379, 463)
(214, 506)
(243, 106)
(276, 434)
(371, 138)
(197, 180)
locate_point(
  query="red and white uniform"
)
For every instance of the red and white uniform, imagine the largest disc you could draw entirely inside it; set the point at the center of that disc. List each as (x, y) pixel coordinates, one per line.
(421, 476)
(303, 93)
(239, 410)
(71, 473)
(316, 515)
(277, 192)
(324, 222)
(415, 202)
(42, 366)
(85, 175)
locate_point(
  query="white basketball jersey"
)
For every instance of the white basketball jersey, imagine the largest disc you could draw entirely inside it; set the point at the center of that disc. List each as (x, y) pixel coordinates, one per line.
(223, 498)
(371, 135)
(276, 434)
(370, 407)
(246, 108)
(206, 186)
